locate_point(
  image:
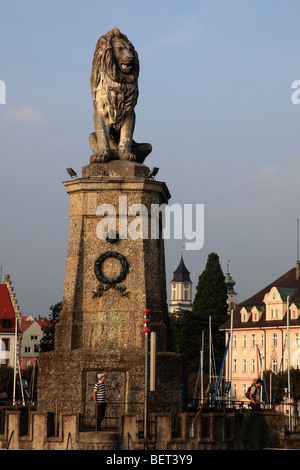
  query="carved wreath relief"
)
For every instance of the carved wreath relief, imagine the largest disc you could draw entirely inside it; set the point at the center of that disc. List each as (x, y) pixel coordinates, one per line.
(111, 281)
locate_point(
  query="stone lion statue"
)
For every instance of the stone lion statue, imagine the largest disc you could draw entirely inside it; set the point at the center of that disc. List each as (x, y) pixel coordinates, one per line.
(114, 86)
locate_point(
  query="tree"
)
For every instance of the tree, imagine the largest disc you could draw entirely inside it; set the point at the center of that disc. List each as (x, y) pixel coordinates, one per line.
(211, 301)
(47, 342)
(185, 336)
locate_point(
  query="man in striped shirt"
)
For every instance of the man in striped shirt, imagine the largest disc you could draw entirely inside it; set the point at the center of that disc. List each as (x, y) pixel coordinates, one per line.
(100, 399)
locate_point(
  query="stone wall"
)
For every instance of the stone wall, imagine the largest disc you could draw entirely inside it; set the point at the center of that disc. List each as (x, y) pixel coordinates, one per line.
(167, 431)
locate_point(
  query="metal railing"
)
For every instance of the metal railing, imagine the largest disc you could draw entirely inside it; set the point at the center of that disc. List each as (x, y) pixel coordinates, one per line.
(113, 413)
(291, 411)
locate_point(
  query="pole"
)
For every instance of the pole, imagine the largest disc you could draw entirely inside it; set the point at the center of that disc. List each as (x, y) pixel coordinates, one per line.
(230, 359)
(218, 381)
(202, 367)
(263, 375)
(153, 357)
(288, 347)
(15, 362)
(146, 330)
(209, 350)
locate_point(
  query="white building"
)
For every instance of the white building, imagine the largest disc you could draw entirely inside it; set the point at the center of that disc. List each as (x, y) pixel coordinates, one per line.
(9, 311)
(181, 289)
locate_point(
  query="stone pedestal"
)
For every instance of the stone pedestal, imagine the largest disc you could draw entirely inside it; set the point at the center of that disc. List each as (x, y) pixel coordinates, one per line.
(108, 284)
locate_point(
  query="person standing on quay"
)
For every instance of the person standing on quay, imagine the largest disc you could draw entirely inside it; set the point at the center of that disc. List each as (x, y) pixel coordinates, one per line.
(100, 399)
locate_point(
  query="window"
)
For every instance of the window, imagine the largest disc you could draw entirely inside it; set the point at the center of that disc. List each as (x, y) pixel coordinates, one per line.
(234, 341)
(244, 389)
(252, 365)
(261, 340)
(234, 364)
(244, 341)
(274, 365)
(253, 340)
(4, 362)
(5, 323)
(233, 391)
(244, 365)
(274, 339)
(27, 349)
(274, 313)
(296, 340)
(5, 346)
(34, 338)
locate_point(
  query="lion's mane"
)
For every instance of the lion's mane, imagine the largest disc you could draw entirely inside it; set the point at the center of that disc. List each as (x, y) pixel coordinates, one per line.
(117, 91)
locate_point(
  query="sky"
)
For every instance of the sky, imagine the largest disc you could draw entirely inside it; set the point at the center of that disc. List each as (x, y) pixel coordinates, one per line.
(215, 102)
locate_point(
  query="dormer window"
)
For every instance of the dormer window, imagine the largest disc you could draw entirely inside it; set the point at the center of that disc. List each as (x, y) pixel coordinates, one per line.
(256, 313)
(294, 311)
(245, 314)
(276, 302)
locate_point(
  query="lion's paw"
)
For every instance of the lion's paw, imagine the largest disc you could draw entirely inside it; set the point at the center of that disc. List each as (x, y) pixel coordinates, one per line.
(124, 155)
(99, 158)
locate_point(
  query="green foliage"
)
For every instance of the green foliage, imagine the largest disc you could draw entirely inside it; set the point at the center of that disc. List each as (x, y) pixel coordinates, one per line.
(280, 382)
(7, 382)
(210, 300)
(186, 336)
(47, 342)
(211, 292)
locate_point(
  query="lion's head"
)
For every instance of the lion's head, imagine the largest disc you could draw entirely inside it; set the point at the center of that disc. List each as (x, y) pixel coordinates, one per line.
(115, 57)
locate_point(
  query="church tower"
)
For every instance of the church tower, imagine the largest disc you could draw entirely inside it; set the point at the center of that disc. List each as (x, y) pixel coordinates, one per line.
(181, 289)
(231, 294)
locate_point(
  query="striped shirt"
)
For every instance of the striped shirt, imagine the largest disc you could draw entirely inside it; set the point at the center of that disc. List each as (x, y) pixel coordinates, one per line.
(100, 390)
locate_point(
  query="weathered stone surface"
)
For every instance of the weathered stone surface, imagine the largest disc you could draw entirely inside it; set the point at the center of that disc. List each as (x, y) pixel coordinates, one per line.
(105, 332)
(116, 168)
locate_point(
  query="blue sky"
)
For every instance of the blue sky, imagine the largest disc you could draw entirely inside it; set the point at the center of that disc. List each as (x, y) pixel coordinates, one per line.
(215, 102)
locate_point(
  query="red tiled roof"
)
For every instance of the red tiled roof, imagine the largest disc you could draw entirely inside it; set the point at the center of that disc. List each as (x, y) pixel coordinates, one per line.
(27, 323)
(6, 310)
(286, 281)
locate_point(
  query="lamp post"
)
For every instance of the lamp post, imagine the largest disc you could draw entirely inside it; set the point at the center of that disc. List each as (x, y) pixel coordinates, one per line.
(146, 330)
(288, 355)
(230, 358)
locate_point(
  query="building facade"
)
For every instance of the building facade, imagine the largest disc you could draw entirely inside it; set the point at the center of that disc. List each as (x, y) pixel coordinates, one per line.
(9, 317)
(181, 289)
(264, 337)
(32, 335)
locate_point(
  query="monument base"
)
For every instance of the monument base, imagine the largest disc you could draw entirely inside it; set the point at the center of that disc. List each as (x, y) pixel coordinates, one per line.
(66, 381)
(108, 284)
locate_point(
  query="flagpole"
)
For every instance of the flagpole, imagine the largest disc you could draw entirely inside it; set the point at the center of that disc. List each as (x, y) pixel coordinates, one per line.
(288, 353)
(15, 363)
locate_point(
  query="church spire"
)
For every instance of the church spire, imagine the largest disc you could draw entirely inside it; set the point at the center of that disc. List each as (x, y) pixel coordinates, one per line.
(181, 288)
(230, 283)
